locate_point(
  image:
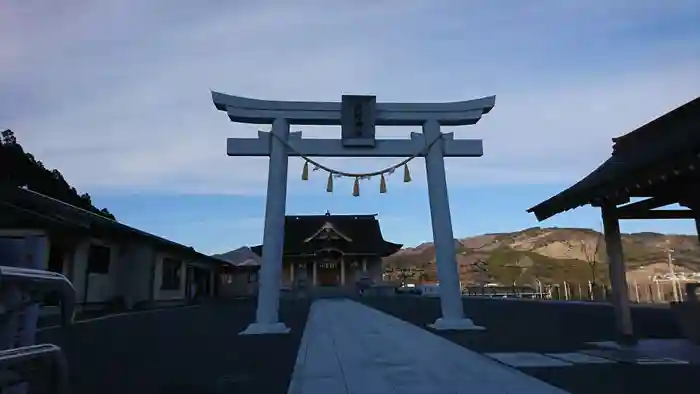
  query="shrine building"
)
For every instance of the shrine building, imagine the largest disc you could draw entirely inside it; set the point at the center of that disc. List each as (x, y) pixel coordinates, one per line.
(332, 250)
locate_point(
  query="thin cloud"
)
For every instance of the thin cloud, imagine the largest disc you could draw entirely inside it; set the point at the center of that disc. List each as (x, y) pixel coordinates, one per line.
(116, 95)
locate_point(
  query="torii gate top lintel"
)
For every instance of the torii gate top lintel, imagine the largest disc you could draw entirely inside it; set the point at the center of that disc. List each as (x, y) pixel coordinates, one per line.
(358, 116)
(254, 111)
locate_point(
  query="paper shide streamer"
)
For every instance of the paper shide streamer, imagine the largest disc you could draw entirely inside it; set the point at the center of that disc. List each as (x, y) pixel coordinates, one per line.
(359, 176)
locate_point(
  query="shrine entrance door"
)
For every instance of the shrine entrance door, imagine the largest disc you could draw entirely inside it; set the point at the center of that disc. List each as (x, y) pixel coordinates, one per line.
(328, 273)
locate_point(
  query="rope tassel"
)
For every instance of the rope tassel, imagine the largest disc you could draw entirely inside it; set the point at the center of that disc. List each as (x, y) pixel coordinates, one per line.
(358, 176)
(382, 185)
(329, 185)
(305, 172)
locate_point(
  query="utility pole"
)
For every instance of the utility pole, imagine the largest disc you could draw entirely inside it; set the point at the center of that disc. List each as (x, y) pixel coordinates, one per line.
(674, 280)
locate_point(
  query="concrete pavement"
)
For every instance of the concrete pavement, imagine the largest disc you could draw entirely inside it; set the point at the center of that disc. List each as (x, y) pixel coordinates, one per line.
(349, 348)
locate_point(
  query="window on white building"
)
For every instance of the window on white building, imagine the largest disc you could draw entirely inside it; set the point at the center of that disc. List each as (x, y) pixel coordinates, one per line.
(99, 259)
(170, 277)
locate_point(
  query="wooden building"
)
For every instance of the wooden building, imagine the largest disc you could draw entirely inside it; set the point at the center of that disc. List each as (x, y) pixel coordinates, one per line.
(332, 250)
(652, 167)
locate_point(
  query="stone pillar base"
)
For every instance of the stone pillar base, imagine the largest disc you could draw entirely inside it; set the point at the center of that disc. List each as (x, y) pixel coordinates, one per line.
(265, 328)
(463, 324)
(626, 340)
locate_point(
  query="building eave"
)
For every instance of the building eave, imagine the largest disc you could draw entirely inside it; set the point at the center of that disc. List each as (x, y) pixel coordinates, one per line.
(671, 138)
(81, 218)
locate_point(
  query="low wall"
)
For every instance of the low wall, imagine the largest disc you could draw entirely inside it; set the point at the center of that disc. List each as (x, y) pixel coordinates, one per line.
(587, 319)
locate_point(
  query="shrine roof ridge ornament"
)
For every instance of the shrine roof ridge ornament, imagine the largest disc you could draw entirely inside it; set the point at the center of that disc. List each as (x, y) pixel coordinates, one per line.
(254, 111)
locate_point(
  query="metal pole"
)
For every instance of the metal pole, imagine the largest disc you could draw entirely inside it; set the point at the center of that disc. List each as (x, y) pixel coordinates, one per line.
(673, 274)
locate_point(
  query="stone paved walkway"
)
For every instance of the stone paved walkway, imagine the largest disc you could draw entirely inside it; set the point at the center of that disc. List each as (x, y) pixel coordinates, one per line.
(556, 342)
(350, 348)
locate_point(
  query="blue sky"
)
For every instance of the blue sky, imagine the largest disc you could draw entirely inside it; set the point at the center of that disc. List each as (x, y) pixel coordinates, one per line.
(115, 94)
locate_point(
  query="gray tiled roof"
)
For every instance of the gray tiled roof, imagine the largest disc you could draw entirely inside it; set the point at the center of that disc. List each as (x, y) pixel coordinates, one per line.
(363, 230)
(29, 206)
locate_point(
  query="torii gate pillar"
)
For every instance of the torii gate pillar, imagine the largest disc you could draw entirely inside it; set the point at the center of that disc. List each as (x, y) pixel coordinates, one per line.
(266, 316)
(443, 236)
(358, 115)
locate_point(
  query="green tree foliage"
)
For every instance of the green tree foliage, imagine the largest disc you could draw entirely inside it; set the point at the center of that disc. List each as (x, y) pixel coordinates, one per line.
(505, 264)
(20, 168)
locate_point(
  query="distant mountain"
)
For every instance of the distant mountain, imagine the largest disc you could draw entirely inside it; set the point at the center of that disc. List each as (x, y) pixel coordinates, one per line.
(240, 256)
(552, 255)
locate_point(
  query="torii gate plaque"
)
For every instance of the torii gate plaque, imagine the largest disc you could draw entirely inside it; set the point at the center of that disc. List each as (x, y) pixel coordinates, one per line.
(358, 115)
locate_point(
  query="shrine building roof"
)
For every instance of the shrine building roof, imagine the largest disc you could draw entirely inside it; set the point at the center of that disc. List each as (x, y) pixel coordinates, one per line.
(651, 155)
(351, 234)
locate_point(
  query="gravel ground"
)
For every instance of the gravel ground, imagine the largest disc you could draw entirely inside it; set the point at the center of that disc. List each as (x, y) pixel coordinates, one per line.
(182, 351)
(197, 349)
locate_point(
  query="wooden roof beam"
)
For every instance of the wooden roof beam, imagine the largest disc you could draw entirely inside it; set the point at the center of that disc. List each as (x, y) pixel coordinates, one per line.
(657, 214)
(648, 204)
(680, 186)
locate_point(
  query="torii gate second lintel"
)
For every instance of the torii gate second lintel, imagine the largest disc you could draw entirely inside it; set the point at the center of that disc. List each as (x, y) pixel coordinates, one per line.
(315, 147)
(358, 115)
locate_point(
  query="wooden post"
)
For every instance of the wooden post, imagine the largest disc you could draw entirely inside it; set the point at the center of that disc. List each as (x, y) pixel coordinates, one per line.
(618, 280)
(681, 293)
(342, 271)
(696, 213)
(212, 283)
(291, 272)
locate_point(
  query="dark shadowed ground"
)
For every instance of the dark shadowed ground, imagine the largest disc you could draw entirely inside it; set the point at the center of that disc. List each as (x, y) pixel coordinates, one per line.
(196, 350)
(182, 351)
(527, 326)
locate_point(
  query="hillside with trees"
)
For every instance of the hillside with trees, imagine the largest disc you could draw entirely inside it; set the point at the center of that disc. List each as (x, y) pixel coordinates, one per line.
(19, 168)
(549, 255)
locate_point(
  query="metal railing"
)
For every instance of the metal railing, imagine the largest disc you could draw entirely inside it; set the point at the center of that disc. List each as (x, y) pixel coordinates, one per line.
(22, 363)
(43, 364)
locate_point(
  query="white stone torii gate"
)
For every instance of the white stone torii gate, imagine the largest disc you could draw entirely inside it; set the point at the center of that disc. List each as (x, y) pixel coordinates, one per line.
(358, 115)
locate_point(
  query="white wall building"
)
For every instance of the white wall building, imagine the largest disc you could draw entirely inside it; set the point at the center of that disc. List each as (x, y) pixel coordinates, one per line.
(108, 263)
